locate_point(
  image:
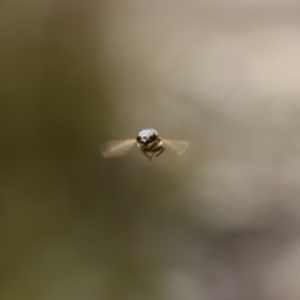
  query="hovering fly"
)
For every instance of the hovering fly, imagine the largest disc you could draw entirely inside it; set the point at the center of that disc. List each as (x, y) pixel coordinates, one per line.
(148, 141)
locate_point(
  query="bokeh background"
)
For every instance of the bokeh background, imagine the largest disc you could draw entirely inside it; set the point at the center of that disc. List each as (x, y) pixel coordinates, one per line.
(221, 222)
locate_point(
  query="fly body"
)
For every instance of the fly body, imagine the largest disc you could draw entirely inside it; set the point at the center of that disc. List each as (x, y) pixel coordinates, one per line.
(148, 141)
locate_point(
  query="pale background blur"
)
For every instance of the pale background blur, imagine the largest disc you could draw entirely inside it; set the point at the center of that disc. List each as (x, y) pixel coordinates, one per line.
(221, 222)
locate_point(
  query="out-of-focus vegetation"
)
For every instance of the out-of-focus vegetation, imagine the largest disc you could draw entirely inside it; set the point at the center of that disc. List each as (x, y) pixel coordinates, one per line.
(219, 222)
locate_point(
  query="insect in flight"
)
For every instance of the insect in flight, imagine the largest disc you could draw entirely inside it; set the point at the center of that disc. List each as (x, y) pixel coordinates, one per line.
(148, 141)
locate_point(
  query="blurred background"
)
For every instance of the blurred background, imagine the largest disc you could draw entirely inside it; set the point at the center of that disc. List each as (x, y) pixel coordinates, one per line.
(220, 222)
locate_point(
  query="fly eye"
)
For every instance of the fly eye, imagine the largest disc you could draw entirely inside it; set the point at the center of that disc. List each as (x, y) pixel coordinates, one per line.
(140, 140)
(152, 138)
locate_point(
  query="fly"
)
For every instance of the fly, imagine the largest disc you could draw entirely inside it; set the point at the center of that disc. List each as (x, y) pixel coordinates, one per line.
(148, 141)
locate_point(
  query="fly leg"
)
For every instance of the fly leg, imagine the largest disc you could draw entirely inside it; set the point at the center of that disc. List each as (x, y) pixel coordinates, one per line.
(157, 151)
(151, 155)
(144, 151)
(157, 148)
(146, 154)
(161, 150)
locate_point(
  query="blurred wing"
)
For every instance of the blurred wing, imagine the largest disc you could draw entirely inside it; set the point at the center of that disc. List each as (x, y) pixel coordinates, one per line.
(117, 148)
(177, 146)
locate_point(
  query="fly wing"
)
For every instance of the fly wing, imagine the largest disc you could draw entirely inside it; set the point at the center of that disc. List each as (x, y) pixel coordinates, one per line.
(176, 145)
(117, 148)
